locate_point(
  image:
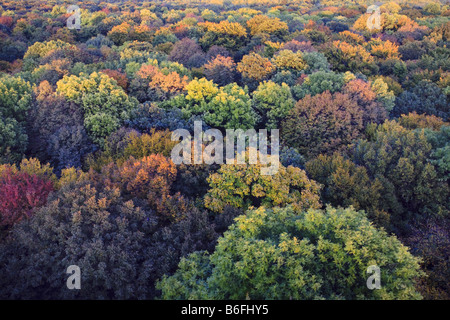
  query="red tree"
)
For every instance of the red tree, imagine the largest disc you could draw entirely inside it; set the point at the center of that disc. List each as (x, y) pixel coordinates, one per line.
(20, 194)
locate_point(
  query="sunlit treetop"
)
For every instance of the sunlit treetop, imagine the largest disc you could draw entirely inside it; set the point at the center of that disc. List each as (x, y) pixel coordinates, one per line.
(388, 21)
(202, 89)
(350, 37)
(41, 49)
(225, 27)
(255, 67)
(384, 49)
(264, 24)
(390, 7)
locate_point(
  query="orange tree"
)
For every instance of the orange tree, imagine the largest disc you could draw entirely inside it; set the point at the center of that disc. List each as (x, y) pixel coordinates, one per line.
(149, 178)
(221, 70)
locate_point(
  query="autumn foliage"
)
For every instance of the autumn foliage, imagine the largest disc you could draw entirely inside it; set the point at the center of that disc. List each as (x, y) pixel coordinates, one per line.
(120, 77)
(255, 67)
(244, 186)
(22, 191)
(170, 83)
(263, 24)
(148, 178)
(87, 177)
(221, 70)
(421, 121)
(323, 123)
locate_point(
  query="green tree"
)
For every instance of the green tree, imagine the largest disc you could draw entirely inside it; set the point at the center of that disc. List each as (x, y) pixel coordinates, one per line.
(315, 61)
(282, 253)
(440, 156)
(384, 95)
(41, 49)
(323, 123)
(347, 184)
(425, 98)
(13, 140)
(432, 8)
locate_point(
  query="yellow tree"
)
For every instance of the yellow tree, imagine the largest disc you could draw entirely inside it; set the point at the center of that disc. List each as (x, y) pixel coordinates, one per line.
(243, 186)
(384, 49)
(228, 34)
(255, 67)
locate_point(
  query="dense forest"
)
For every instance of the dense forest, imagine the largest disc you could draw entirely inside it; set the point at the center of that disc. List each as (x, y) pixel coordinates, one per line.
(90, 97)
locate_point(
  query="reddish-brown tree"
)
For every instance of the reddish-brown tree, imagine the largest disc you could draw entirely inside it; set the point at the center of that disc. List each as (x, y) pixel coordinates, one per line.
(20, 194)
(323, 123)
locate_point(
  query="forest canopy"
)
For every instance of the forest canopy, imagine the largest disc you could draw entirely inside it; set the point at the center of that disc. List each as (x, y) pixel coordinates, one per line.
(90, 99)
